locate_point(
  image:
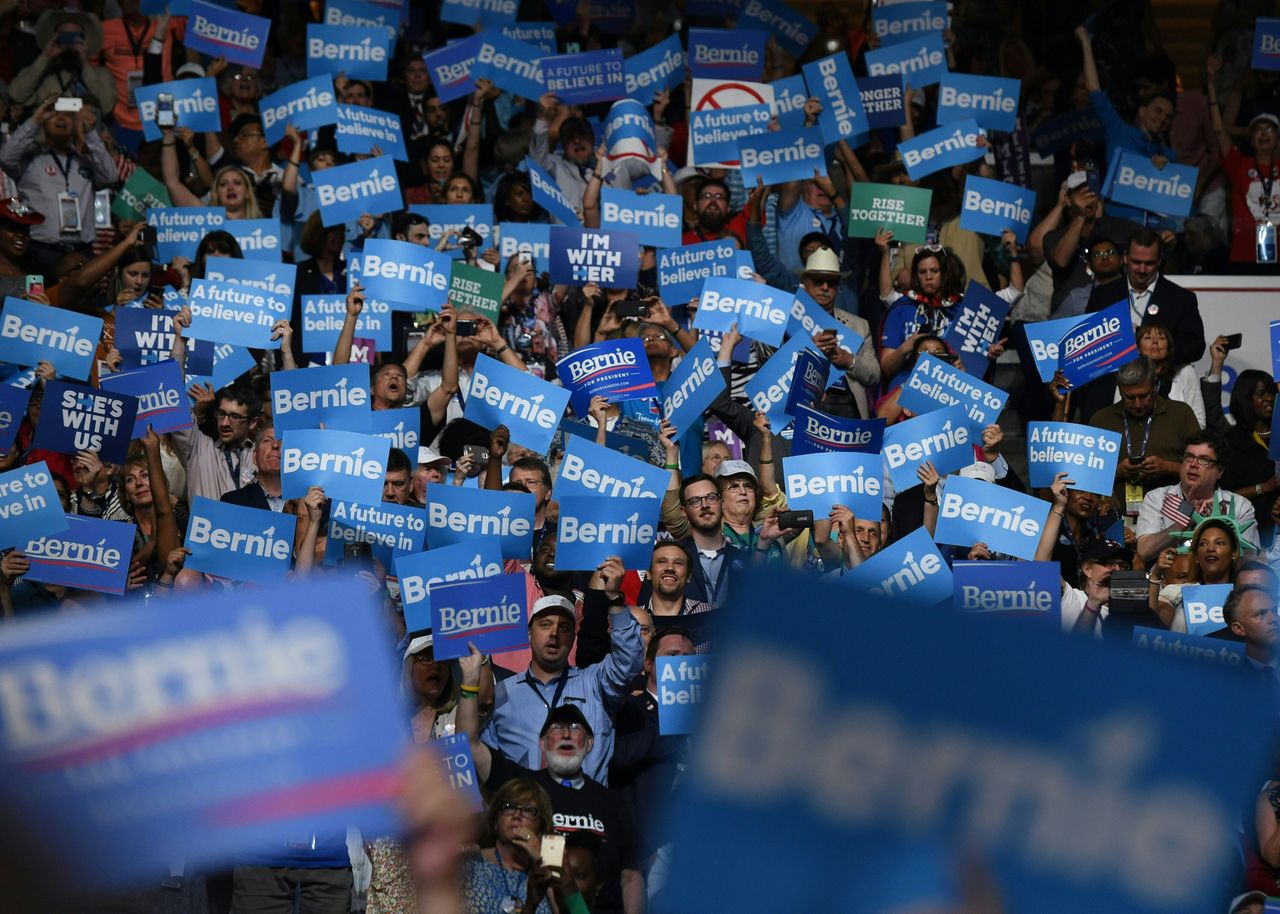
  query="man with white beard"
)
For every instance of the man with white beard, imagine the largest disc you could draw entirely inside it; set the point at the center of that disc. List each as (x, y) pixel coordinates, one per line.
(581, 805)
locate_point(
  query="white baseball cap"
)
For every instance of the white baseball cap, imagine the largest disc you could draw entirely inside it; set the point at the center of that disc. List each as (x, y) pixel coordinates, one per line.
(427, 456)
(735, 468)
(979, 470)
(418, 645)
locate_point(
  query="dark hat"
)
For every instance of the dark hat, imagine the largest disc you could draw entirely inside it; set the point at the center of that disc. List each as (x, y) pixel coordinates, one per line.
(1105, 550)
(14, 210)
(566, 714)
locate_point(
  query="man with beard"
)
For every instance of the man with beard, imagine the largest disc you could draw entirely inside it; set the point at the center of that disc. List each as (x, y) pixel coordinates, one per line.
(711, 203)
(669, 575)
(581, 804)
(713, 560)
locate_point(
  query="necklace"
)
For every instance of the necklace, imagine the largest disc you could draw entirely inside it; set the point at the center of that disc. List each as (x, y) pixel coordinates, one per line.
(512, 902)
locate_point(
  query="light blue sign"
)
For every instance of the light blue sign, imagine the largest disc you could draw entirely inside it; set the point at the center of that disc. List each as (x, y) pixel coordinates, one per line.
(511, 65)
(989, 207)
(589, 469)
(910, 569)
(655, 219)
(1086, 454)
(487, 13)
(346, 192)
(769, 387)
(760, 311)
(259, 239)
(623, 444)
(548, 195)
(32, 333)
(616, 369)
(276, 278)
(933, 384)
(814, 432)
(460, 767)
(883, 100)
(920, 62)
(1097, 344)
(364, 130)
(221, 32)
(819, 482)
(778, 157)
(76, 417)
(1029, 590)
(359, 12)
(1202, 607)
(1274, 330)
(1042, 339)
(649, 72)
(1066, 130)
(411, 276)
(973, 511)
(419, 572)
(793, 31)
(714, 132)
(336, 396)
(228, 312)
(1134, 180)
(322, 317)
(809, 318)
(943, 437)
(445, 219)
(532, 238)
(89, 553)
(683, 270)
(361, 52)
(1266, 44)
(727, 53)
(161, 392)
(13, 406)
(540, 34)
(586, 77)
(693, 385)
(450, 68)
(402, 427)
(456, 514)
(943, 147)
(789, 96)
(491, 613)
(238, 543)
(680, 687)
(180, 228)
(389, 529)
(591, 529)
(346, 465)
(904, 22)
(1211, 651)
(830, 80)
(29, 505)
(528, 406)
(977, 327)
(582, 255)
(195, 105)
(989, 100)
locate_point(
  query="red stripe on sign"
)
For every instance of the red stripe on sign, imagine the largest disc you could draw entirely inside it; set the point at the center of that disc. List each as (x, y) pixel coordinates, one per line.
(358, 789)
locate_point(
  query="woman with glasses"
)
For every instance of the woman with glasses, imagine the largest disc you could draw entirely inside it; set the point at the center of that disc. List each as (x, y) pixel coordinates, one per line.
(1215, 558)
(1250, 471)
(495, 879)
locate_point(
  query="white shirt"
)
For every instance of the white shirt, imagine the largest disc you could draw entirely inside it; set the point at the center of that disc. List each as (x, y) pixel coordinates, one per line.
(1138, 301)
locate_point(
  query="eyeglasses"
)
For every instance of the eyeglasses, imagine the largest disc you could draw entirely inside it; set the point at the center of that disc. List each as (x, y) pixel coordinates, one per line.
(829, 281)
(740, 485)
(572, 727)
(699, 500)
(713, 196)
(1110, 252)
(1199, 460)
(932, 248)
(424, 658)
(653, 338)
(231, 417)
(251, 135)
(246, 77)
(514, 809)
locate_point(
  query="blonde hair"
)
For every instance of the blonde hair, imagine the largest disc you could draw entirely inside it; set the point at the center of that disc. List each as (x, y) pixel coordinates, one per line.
(251, 210)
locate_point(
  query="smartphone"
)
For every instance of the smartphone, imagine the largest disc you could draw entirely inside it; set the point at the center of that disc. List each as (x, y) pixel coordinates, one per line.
(357, 557)
(631, 307)
(1234, 340)
(72, 105)
(151, 243)
(35, 283)
(795, 520)
(469, 237)
(69, 38)
(525, 257)
(479, 455)
(552, 850)
(164, 110)
(466, 328)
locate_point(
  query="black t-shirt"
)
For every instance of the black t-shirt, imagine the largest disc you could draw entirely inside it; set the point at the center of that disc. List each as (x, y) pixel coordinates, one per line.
(591, 809)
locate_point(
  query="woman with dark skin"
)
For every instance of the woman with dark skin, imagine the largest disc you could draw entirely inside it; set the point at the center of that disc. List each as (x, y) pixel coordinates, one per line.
(1249, 470)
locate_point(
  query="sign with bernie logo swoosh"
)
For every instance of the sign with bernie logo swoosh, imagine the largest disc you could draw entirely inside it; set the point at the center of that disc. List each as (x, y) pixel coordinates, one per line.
(361, 52)
(161, 392)
(1134, 180)
(420, 571)
(1043, 338)
(1027, 590)
(788, 27)
(239, 543)
(989, 207)
(346, 192)
(769, 387)
(528, 406)
(830, 80)
(89, 553)
(910, 568)
(943, 147)
(615, 369)
(883, 100)
(814, 432)
(1097, 344)
(446, 219)
(973, 511)
(933, 384)
(590, 469)
(259, 239)
(346, 465)
(591, 529)
(411, 277)
(989, 100)
(693, 385)
(897, 23)
(727, 53)
(29, 505)
(511, 65)
(809, 318)
(195, 105)
(13, 407)
(789, 96)
(402, 427)
(761, 312)
(491, 613)
(332, 396)
(654, 219)
(360, 12)
(920, 62)
(450, 68)
(611, 260)
(548, 195)
(31, 333)
(458, 514)
(220, 32)
(277, 279)
(649, 72)
(819, 482)
(776, 158)
(1266, 44)
(943, 437)
(76, 417)
(487, 13)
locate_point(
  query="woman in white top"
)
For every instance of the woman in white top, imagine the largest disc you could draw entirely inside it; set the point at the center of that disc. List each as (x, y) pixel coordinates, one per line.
(1177, 382)
(1215, 556)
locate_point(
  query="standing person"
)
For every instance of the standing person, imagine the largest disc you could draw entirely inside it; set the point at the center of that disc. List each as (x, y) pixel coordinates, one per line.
(70, 40)
(1105, 264)
(1066, 245)
(821, 278)
(16, 222)
(1250, 471)
(126, 42)
(713, 560)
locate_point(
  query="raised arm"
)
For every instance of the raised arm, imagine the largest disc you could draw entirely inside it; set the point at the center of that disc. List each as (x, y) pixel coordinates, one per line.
(1225, 145)
(346, 337)
(438, 399)
(468, 717)
(166, 530)
(1091, 82)
(1053, 523)
(178, 191)
(1051, 220)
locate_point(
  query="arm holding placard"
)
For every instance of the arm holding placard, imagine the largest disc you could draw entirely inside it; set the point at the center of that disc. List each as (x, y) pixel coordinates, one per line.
(499, 438)
(660, 315)
(851, 164)
(1053, 523)
(591, 194)
(599, 411)
(438, 399)
(597, 600)
(346, 337)
(1010, 242)
(850, 550)
(1050, 222)
(884, 237)
(475, 120)
(612, 676)
(468, 716)
(928, 476)
(76, 283)
(167, 537)
(766, 262)
(178, 191)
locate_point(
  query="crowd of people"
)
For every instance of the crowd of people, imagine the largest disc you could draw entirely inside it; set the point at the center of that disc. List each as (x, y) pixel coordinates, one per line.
(565, 734)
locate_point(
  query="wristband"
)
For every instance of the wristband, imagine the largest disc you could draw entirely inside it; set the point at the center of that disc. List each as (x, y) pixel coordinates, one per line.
(770, 460)
(576, 904)
(469, 690)
(1153, 579)
(498, 352)
(931, 501)
(170, 143)
(1096, 610)
(467, 696)
(671, 466)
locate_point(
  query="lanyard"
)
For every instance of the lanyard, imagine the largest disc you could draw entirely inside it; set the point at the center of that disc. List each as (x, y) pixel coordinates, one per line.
(65, 169)
(138, 43)
(1145, 436)
(1266, 182)
(1133, 304)
(233, 469)
(555, 699)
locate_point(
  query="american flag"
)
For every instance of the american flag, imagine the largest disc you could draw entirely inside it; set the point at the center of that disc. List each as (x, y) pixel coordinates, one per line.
(1172, 508)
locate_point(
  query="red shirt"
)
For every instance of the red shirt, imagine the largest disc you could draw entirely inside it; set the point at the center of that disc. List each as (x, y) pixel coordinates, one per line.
(1248, 204)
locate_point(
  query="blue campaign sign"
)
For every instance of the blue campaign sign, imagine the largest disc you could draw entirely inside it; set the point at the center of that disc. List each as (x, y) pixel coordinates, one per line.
(976, 327)
(1067, 129)
(231, 312)
(615, 369)
(346, 192)
(221, 32)
(457, 514)
(920, 62)
(488, 13)
(989, 100)
(76, 417)
(532, 238)
(819, 482)
(903, 22)
(1274, 331)
(180, 228)
(402, 427)
(195, 105)
(364, 130)
(238, 543)
(418, 572)
(683, 270)
(789, 96)
(830, 80)
(883, 100)
(809, 318)
(1202, 607)
(278, 279)
(346, 465)
(1266, 44)
(654, 219)
(491, 613)
(1212, 651)
(727, 53)
(548, 195)
(943, 437)
(528, 406)
(974, 511)
(259, 239)
(792, 30)
(582, 255)
(1042, 339)
(714, 132)
(1134, 180)
(911, 569)
(989, 207)
(591, 529)
(299, 727)
(28, 505)
(360, 12)
(815, 432)
(161, 392)
(389, 529)
(649, 72)
(769, 387)
(335, 396)
(623, 444)
(13, 406)
(450, 68)
(540, 34)
(778, 157)
(445, 219)
(89, 553)
(589, 469)
(933, 384)
(760, 311)
(1030, 590)
(31, 332)
(361, 52)
(943, 147)
(808, 380)
(680, 682)
(1098, 344)
(508, 64)
(693, 385)
(1086, 454)
(460, 765)
(586, 77)
(411, 276)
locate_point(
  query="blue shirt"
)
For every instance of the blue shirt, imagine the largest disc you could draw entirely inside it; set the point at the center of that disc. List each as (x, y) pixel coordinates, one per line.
(1126, 136)
(907, 317)
(799, 221)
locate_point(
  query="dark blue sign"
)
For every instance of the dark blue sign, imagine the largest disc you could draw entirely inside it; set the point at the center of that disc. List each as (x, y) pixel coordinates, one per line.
(808, 380)
(616, 369)
(1082, 125)
(977, 327)
(418, 572)
(1098, 344)
(815, 432)
(221, 32)
(144, 336)
(89, 553)
(611, 260)
(727, 53)
(13, 406)
(488, 13)
(161, 392)
(1030, 590)
(586, 77)
(80, 418)
(490, 613)
(548, 195)
(1266, 44)
(450, 68)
